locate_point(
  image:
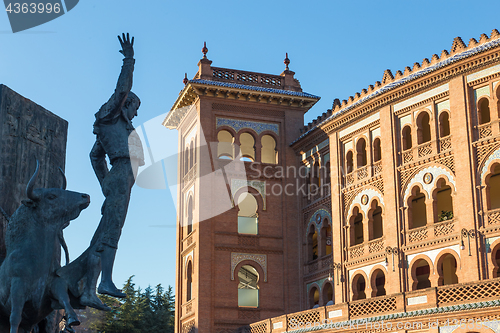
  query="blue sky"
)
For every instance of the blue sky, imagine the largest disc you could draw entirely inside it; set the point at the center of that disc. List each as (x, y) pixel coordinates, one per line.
(70, 66)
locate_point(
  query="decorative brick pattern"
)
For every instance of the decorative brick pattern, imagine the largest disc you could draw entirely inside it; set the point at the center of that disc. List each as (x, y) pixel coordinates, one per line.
(304, 317)
(376, 245)
(493, 216)
(372, 306)
(425, 150)
(444, 228)
(468, 292)
(356, 251)
(248, 240)
(417, 235)
(362, 173)
(237, 125)
(407, 156)
(188, 327)
(377, 168)
(258, 327)
(249, 314)
(349, 179)
(445, 144)
(484, 131)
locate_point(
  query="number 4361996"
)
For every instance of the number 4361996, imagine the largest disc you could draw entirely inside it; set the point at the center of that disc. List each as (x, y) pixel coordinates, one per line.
(32, 8)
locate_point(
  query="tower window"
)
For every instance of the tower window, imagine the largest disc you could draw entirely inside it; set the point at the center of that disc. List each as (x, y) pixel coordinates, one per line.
(247, 214)
(268, 150)
(248, 288)
(225, 147)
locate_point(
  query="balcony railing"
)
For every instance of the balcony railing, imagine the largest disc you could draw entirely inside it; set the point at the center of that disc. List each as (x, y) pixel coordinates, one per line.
(484, 131)
(243, 77)
(396, 307)
(438, 229)
(493, 216)
(371, 247)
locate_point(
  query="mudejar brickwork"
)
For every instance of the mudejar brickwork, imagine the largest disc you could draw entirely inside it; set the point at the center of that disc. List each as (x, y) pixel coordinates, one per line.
(382, 215)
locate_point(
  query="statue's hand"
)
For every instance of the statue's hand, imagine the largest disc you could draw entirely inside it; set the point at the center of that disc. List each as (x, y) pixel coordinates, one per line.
(127, 46)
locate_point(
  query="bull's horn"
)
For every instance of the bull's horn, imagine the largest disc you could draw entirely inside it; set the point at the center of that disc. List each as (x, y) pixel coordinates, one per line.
(64, 179)
(31, 184)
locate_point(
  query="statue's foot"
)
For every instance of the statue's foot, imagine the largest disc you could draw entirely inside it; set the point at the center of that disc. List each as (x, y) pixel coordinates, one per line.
(94, 302)
(110, 289)
(73, 320)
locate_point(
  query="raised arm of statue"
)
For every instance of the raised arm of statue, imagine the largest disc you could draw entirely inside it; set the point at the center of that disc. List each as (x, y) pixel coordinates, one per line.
(124, 84)
(98, 160)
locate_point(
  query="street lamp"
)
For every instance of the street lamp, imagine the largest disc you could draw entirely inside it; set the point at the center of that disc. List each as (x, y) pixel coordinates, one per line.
(469, 234)
(334, 267)
(388, 251)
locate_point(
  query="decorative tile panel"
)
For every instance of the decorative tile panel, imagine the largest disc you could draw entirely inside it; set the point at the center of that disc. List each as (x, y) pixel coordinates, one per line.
(317, 219)
(238, 125)
(260, 259)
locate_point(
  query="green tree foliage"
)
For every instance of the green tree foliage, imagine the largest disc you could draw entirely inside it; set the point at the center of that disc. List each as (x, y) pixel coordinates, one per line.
(151, 310)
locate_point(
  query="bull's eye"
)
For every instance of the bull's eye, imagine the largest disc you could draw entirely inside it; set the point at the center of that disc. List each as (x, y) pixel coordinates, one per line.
(52, 196)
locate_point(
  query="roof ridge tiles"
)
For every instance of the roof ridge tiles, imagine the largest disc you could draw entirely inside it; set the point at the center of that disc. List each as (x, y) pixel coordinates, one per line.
(457, 52)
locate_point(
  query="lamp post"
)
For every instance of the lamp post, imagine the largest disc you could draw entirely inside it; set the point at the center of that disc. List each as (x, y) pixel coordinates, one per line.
(394, 251)
(469, 234)
(334, 267)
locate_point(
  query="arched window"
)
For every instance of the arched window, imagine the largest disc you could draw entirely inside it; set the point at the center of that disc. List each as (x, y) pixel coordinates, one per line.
(444, 124)
(376, 220)
(422, 272)
(349, 163)
(448, 270)
(190, 215)
(361, 153)
(328, 176)
(312, 243)
(248, 219)
(328, 294)
(247, 147)
(443, 202)
(377, 150)
(357, 227)
(269, 154)
(358, 287)
(225, 147)
(497, 261)
(493, 189)
(191, 155)
(189, 286)
(326, 238)
(313, 297)
(248, 287)
(424, 128)
(406, 134)
(378, 286)
(186, 159)
(418, 211)
(484, 111)
(315, 176)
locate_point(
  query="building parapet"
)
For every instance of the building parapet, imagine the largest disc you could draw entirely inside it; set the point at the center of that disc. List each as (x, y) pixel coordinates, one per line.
(395, 308)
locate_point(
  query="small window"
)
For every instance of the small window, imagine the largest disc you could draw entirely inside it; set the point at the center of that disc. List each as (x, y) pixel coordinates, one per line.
(361, 153)
(379, 287)
(444, 201)
(493, 189)
(190, 215)
(247, 214)
(418, 210)
(444, 124)
(247, 143)
(189, 286)
(268, 150)
(424, 128)
(377, 150)
(349, 164)
(312, 243)
(448, 271)
(484, 111)
(248, 288)
(225, 147)
(422, 272)
(357, 227)
(407, 141)
(376, 220)
(359, 286)
(328, 294)
(313, 297)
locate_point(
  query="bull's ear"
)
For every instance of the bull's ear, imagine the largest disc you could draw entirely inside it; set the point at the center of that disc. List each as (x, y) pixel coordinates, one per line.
(29, 203)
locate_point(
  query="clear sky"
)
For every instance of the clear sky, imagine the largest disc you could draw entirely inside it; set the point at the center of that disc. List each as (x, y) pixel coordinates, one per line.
(70, 66)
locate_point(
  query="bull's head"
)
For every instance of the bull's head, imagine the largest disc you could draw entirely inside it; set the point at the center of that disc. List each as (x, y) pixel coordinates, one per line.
(55, 204)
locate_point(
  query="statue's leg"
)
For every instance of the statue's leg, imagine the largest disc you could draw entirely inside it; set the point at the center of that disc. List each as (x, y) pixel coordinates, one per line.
(89, 297)
(107, 286)
(16, 304)
(60, 292)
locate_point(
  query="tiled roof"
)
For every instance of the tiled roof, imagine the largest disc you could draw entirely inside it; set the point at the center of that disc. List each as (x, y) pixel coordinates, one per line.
(420, 73)
(254, 88)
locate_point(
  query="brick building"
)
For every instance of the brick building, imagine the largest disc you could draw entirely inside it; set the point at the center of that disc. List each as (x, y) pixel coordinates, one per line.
(384, 209)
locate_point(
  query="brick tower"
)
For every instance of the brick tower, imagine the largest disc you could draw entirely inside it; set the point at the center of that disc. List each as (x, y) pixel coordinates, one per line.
(237, 206)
